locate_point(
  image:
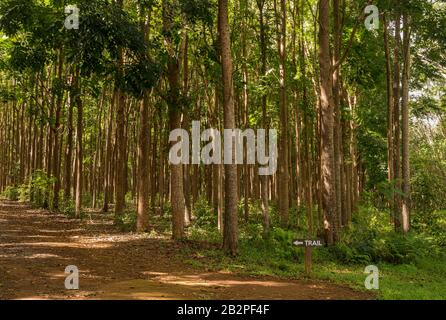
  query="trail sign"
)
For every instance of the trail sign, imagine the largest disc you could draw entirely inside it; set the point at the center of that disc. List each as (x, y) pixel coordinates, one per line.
(308, 243)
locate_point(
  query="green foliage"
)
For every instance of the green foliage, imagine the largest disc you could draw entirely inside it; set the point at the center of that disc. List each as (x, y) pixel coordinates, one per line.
(205, 217)
(371, 239)
(428, 164)
(24, 193)
(127, 221)
(24, 57)
(68, 208)
(411, 266)
(432, 224)
(391, 247)
(11, 193)
(199, 10)
(140, 76)
(15, 15)
(40, 188)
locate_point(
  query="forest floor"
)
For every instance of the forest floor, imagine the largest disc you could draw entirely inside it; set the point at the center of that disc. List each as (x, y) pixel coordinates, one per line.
(36, 246)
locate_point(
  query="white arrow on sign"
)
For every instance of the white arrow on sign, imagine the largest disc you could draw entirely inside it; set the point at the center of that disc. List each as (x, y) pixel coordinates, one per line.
(308, 243)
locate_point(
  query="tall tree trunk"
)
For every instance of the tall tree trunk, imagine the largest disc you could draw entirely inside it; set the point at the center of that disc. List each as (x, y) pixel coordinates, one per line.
(79, 148)
(337, 142)
(283, 161)
(186, 121)
(121, 157)
(396, 123)
(327, 122)
(176, 172)
(108, 159)
(405, 208)
(390, 145)
(143, 207)
(230, 223)
(56, 162)
(69, 146)
(263, 53)
(143, 182)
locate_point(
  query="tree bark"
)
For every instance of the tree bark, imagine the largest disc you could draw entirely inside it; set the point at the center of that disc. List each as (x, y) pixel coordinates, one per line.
(79, 147)
(327, 121)
(405, 207)
(283, 160)
(230, 223)
(390, 151)
(396, 124)
(176, 172)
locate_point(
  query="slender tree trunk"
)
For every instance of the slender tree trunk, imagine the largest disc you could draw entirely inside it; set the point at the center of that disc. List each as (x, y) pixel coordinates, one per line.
(143, 207)
(186, 121)
(108, 160)
(327, 121)
(143, 180)
(405, 208)
(56, 162)
(390, 111)
(396, 123)
(121, 157)
(230, 224)
(337, 142)
(176, 172)
(79, 148)
(283, 161)
(69, 146)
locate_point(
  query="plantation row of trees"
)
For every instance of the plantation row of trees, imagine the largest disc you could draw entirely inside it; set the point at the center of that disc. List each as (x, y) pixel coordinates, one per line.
(85, 114)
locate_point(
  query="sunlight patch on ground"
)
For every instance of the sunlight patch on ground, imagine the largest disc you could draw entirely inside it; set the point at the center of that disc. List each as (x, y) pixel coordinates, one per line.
(43, 256)
(58, 245)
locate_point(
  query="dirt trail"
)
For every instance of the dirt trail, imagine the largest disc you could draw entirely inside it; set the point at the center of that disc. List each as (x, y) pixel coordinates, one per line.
(36, 246)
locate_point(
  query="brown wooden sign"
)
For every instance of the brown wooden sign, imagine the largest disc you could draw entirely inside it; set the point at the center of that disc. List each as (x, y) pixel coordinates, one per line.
(308, 243)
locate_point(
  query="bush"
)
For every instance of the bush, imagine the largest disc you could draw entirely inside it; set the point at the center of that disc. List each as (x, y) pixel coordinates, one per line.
(371, 239)
(275, 252)
(24, 193)
(68, 208)
(127, 221)
(11, 193)
(433, 224)
(40, 188)
(205, 217)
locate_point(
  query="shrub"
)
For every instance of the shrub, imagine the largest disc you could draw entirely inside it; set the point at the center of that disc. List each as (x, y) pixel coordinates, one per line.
(371, 238)
(24, 193)
(68, 208)
(11, 193)
(205, 217)
(40, 188)
(127, 221)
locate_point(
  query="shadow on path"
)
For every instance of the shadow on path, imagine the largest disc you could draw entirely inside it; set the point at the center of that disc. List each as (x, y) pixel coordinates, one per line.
(36, 246)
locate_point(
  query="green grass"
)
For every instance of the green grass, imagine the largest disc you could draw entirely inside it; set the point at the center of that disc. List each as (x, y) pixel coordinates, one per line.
(411, 267)
(424, 280)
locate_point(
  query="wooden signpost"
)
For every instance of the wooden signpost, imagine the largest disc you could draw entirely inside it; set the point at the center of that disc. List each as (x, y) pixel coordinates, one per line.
(308, 244)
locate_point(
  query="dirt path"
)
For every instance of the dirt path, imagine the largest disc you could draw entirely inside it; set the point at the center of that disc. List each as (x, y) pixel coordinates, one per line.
(36, 246)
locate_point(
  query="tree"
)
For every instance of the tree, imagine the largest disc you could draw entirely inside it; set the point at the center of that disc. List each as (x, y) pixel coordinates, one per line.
(175, 110)
(405, 207)
(121, 158)
(230, 223)
(283, 176)
(327, 108)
